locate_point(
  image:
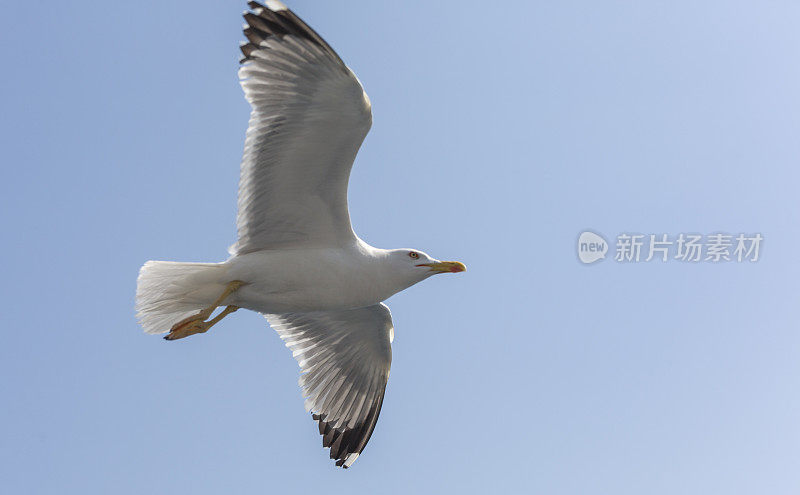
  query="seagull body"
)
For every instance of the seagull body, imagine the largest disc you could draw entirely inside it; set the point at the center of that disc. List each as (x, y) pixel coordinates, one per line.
(348, 277)
(297, 259)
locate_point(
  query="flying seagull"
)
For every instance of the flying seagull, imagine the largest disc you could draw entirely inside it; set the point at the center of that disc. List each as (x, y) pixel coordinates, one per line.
(297, 259)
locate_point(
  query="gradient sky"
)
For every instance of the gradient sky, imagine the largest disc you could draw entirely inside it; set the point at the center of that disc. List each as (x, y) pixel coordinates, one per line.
(501, 131)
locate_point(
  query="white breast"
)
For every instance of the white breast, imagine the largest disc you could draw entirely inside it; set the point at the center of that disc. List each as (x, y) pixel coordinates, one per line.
(282, 281)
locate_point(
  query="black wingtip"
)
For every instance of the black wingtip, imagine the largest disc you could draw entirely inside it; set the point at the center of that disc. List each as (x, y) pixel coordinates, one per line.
(264, 23)
(346, 441)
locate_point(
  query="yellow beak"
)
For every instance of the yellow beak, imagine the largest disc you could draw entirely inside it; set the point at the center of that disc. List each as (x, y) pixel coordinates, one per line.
(445, 266)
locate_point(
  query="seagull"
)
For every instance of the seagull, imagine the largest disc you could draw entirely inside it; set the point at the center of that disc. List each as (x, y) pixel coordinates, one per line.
(297, 260)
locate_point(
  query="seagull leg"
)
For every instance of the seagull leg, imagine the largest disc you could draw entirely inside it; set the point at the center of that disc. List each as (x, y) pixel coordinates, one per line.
(197, 323)
(199, 326)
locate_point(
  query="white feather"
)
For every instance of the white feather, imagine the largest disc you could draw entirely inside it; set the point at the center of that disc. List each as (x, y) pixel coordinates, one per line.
(309, 117)
(344, 357)
(168, 291)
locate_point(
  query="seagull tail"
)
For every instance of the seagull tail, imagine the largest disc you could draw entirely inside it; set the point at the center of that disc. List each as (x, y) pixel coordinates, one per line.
(169, 291)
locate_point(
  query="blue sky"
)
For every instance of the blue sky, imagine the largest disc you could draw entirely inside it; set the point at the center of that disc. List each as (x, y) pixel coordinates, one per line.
(501, 131)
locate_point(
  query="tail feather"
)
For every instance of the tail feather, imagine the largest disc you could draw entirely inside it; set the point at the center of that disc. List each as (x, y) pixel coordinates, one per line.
(169, 291)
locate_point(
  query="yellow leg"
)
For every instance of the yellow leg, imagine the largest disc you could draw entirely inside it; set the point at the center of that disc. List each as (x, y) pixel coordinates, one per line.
(198, 326)
(196, 323)
(225, 312)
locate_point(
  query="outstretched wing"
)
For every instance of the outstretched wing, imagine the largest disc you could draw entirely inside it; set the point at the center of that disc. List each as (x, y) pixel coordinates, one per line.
(309, 117)
(345, 358)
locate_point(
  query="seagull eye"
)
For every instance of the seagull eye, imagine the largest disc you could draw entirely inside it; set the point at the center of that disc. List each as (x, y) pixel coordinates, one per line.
(413, 255)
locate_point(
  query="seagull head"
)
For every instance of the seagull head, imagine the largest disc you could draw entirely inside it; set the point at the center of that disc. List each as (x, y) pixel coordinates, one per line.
(418, 265)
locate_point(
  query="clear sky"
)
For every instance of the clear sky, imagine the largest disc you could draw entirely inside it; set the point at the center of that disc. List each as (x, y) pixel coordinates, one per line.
(501, 132)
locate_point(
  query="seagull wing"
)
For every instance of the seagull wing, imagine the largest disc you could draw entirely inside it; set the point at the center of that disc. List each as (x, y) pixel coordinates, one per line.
(345, 358)
(309, 117)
